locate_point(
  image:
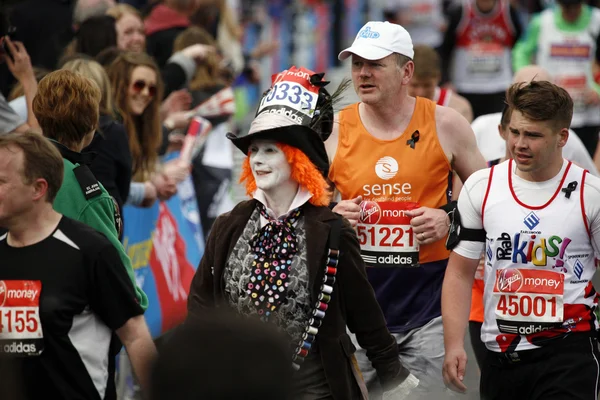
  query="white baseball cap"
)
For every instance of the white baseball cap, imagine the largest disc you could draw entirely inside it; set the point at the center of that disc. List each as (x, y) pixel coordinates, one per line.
(377, 40)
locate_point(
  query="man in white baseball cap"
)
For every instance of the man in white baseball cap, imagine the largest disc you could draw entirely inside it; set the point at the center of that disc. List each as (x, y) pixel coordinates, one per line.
(377, 40)
(392, 157)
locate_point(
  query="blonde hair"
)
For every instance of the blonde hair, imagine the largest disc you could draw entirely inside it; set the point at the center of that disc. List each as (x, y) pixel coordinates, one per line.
(144, 131)
(209, 72)
(94, 71)
(120, 10)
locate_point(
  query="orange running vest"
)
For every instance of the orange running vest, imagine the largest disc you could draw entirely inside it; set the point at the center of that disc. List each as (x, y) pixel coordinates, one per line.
(392, 175)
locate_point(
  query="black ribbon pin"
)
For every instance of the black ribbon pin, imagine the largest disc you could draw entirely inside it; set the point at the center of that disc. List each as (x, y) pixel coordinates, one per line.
(414, 138)
(569, 189)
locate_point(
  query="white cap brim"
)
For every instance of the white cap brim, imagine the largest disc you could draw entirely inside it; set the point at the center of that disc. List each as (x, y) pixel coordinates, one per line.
(370, 52)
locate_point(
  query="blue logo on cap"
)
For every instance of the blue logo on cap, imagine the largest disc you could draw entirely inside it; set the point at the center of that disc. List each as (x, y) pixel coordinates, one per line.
(367, 33)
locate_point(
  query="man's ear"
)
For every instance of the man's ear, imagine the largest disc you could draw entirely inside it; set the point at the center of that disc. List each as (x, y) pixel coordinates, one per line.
(563, 136)
(408, 72)
(501, 132)
(40, 188)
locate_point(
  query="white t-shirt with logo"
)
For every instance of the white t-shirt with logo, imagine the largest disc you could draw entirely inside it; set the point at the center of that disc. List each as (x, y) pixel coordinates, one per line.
(529, 287)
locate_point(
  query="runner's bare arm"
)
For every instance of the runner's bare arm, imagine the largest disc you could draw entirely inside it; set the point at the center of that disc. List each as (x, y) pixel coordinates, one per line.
(456, 302)
(458, 140)
(331, 147)
(136, 338)
(332, 142)
(456, 289)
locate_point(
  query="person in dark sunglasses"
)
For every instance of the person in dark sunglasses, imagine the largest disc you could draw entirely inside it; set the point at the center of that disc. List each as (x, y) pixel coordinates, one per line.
(137, 87)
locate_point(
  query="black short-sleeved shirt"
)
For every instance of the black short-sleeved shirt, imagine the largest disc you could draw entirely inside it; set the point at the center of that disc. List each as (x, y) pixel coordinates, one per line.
(85, 296)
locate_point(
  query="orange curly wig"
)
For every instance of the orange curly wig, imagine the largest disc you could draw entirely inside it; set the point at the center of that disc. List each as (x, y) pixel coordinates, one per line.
(303, 171)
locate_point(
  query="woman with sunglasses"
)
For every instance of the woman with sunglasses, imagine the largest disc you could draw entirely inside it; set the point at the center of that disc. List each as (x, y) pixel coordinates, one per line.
(137, 87)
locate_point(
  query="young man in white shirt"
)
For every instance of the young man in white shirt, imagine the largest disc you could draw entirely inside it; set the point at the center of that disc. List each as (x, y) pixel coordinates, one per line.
(539, 216)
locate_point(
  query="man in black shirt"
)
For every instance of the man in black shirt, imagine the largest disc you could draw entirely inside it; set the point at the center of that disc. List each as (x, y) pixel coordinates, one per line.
(64, 292)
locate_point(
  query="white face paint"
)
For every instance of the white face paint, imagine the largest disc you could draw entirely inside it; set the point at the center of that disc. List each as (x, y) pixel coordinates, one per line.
(270, 168)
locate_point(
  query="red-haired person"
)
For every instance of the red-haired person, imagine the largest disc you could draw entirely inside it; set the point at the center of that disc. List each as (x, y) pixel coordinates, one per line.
(284, 257)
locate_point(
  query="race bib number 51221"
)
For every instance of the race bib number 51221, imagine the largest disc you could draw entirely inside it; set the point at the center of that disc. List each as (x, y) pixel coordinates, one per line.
(386, 237)
(20, 326)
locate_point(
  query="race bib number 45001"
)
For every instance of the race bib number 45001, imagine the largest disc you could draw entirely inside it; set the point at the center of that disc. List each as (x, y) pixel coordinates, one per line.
(20, 326)
(528, 301)
(386, 236)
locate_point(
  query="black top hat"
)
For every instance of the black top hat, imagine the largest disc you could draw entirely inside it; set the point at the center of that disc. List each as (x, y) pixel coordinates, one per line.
(296, 110)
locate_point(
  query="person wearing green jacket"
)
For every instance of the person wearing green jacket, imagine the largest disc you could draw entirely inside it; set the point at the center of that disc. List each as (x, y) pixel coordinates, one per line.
(565, 40)
(67, 108)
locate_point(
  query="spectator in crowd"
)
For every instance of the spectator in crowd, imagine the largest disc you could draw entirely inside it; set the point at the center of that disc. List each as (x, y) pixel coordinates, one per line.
(67, 106)
(130, 28)
(18, 62)
(208, 78)
(137, 87)
(10, 121)
(43, 26)
(218, 19)
(476, 52)
(566, 41)
(16, 98)
(112, 164)
(165, 22)
(180, 66)
(212, 165)
(95, 34)
(108, 55)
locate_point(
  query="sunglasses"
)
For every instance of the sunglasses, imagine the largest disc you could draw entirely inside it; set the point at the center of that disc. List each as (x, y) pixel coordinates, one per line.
(139, 85)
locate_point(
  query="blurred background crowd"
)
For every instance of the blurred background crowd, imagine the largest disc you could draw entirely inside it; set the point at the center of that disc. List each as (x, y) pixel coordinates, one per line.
(175, 67)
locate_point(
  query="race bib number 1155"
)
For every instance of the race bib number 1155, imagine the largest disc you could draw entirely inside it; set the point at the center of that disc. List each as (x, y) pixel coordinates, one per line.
(20, 327)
